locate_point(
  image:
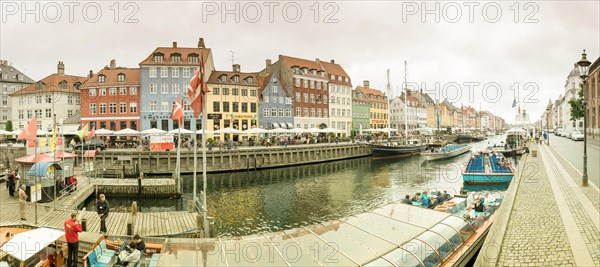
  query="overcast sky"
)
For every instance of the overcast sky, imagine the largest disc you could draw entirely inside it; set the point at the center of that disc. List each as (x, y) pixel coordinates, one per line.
(536, 43)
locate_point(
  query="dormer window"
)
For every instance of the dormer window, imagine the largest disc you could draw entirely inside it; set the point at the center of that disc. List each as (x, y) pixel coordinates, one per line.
(175, 58)
(249, 80)
(305, 70)
(322, 73)
(77, 85)
(296, 70)
(101, 78)
(223, 78)
(121, 77)
(63, 85)
(347, 80)
(40, 86)
(332, 77)
(193, 58)
(314, 72)
(159, 58)
(235, 79)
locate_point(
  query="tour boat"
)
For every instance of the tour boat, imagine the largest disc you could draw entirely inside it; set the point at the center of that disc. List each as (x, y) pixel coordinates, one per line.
(484, 169)
(516, 140)
(31, 247)
(446, 152)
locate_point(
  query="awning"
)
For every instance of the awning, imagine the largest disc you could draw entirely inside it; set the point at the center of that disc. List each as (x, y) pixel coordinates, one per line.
(25, 245)
(290, 126)
(61, 154)
(276, 125)
(41, 168)
(31, 159)
(91, 153)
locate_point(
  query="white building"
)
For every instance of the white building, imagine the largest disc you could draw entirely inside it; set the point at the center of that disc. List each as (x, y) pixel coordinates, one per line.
(56, 94)
(415, 118)
(11, 80)
(340, 97)
(572, 87)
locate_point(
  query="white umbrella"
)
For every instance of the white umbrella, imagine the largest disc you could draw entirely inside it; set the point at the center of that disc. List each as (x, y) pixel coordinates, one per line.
(299, 130)
(42, 132)
(228, 131)
(3, 132)
(255, 131)
(127, 131)
(154, 131)
(330, 130)
(103, 131)
(314, 130)
(206, 131)
(278, 130)
(183, 131)
(385, 130)
(17, 132)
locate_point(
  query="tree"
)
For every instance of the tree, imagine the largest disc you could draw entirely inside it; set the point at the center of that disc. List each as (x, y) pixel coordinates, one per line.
(9, 126)
(577, 108)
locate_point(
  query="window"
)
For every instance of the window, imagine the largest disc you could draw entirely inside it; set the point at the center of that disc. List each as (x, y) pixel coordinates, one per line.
(325, 99)
(175, 72)
(70, 100)
(102, 108)
(164, 106)
(69, 113)
(48, 99)
(325, 113)
(312, 84)
(92, 92)
(153, 90)
(112, 108)
(236, 79)
(216, 91)
(164, 88)
(153, 106)
(319, 112)
(187, 73)
(225, 91)
(288, 100)
(153, 72)
(112, 91)
(176, 58)
(305, 83)
(122, 91)
(305, 97)
(298, 112)
(29, 114)
(305, 112)
(225, 106)
(133, 91)
(102, 91)
(123, 107)
(21, 116)
(159, 58)
(312, 112)
(133, 107)
(164, 72)
(312, 98)
(297, 82)
(253, 107)
(223, 78)
(236, 107)
(266, 112)
(235, 91)
(193, 59)
(288, 112)
(244, 92)
(38, 99)
(266, 99)
(101, 78)
(280, 112)
(252, 92)
(175, 88)
(298, 98)
(244, 107)
(280, 99)
(120, 77)
(49, 113)
(273, 112)
(216, 106)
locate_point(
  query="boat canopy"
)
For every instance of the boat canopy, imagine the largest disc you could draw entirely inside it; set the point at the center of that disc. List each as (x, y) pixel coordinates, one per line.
(42, 168)
(394, 235)
(25, 245)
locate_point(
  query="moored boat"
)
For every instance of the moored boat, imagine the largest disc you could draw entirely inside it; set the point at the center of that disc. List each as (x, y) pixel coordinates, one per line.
(446, 152)
(487, 169)
(391, 150)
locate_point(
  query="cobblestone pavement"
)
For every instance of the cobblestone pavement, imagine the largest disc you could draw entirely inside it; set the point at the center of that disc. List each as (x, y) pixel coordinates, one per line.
(535, 234)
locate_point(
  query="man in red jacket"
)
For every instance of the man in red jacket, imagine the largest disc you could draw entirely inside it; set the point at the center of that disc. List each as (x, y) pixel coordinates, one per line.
(72, 230)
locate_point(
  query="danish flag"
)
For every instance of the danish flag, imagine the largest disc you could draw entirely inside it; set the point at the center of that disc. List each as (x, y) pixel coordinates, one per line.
(197, 90)
(177, 112)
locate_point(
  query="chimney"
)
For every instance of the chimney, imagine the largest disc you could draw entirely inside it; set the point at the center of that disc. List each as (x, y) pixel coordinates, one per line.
(113, 64)
(268, 63)
(332, 61)
(4, 62)
(60, 68)
(201, 43)
(317, 60)
(366, 83)
(91, 74)
(174, 44)
(236, 67)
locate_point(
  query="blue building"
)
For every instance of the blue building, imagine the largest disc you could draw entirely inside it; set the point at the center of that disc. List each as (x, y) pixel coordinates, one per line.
(275, 107)
(165, 74)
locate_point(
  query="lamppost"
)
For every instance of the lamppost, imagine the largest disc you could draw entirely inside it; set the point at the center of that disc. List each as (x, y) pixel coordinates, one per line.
(547, 126)
(584, 66)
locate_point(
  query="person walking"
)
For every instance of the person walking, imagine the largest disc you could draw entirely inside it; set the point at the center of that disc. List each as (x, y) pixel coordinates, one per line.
(102, 208)
(11, 183)
(72, 229)
(22, 201)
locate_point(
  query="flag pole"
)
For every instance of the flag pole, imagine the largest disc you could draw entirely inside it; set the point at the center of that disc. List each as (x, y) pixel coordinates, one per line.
(204, 207)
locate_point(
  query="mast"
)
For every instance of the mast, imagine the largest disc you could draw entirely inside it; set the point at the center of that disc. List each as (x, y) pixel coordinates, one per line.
(388, 102)
(405, 109)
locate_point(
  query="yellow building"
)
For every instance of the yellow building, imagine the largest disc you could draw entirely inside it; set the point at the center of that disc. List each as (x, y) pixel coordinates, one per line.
(378, 117)
(232, 103)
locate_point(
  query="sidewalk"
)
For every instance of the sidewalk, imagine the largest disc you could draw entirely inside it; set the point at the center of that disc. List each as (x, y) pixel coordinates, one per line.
(552, 221)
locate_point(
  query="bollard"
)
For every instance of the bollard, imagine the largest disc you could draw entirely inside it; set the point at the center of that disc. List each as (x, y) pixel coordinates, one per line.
(84, 224)
(129, 228)
(534, 153)
(200, 222)
(191, 206)
(134, 208)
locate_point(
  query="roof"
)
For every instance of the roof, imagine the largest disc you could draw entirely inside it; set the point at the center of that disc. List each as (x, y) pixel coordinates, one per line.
(214, 78)
(74, 119)
(132, 76)
(595, 66)
(51, 84)
(11, 73)
(574, 71)
(337, 70)
(369, 91)
(302, 63)
(183, 51)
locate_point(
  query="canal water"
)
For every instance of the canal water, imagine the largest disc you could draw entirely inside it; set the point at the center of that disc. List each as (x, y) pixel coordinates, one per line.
(245, 203)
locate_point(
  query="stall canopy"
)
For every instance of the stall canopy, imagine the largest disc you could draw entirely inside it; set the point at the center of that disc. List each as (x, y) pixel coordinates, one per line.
(41, 168)
(61, 154)
(25, 245)
(31, 159)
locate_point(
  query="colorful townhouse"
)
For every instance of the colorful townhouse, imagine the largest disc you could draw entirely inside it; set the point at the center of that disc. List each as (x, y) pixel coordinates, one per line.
(275, 107)
(360, 111)
(340, 97)
(378, 106)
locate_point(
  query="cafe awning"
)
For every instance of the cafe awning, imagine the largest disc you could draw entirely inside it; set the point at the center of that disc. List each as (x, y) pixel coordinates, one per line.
(41, 168)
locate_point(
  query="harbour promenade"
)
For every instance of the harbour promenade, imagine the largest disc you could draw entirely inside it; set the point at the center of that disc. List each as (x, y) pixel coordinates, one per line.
(547, 218)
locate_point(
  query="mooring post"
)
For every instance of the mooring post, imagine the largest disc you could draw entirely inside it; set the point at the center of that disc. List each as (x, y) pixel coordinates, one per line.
(134, 210)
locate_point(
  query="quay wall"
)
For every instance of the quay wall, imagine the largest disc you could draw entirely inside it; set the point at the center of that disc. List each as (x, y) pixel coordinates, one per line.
(8, 154)
(130, 163)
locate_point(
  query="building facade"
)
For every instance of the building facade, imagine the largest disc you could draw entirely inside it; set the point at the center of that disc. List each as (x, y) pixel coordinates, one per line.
(57, 94)
(340, 97)
(11, 80)
(592, 96)
(165, 75)
(360, 111)
(572, 87)
(378, 106)
(110, 99)
(274, 105)
(233, 102)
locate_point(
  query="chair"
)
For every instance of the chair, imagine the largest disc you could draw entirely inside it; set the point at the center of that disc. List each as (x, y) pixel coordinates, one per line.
(93, 260)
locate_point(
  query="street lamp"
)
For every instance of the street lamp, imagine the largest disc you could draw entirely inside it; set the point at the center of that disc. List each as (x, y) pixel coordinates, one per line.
(584, 66)
(547, 126)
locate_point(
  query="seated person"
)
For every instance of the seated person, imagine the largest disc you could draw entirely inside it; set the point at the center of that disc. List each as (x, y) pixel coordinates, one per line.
(417, 197)
(129, 258)
(440, 197)
(406, 200)
(478, 205)
(139, 244)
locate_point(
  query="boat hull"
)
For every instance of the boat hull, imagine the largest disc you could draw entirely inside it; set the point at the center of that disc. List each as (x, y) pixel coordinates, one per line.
(388, 152)
(445, 155)
(464, 138)
(484, 178)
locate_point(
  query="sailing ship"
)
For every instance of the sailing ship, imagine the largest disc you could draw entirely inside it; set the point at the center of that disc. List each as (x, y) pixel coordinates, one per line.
(395, 149)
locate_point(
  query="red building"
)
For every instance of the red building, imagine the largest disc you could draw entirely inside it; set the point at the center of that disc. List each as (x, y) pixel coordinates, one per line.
(110, 99)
